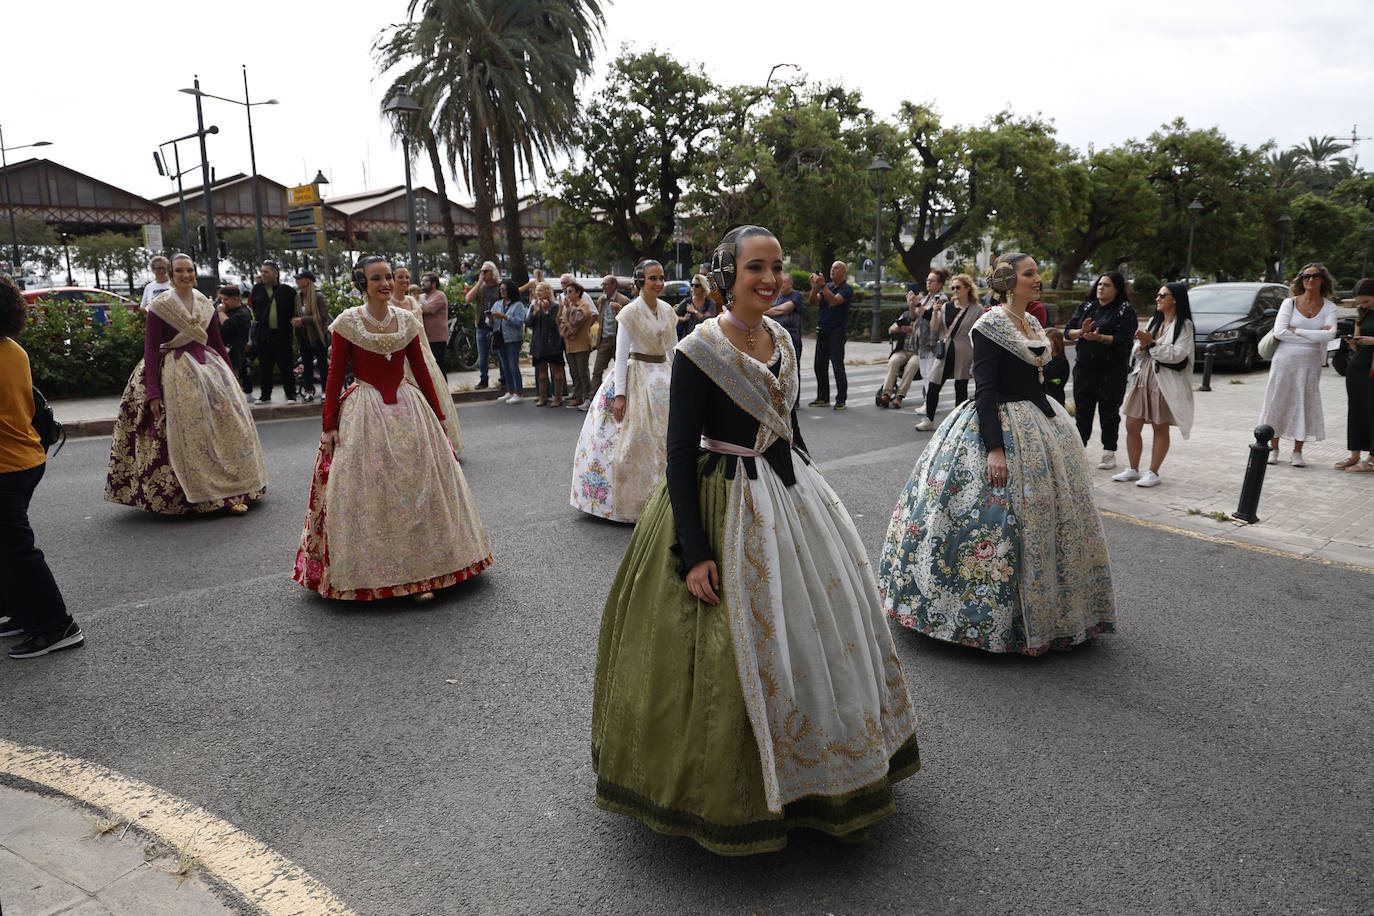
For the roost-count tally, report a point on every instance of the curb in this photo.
(104, 426)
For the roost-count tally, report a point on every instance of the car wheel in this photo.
(1246, 362)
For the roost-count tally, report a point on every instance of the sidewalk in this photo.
(53, 860)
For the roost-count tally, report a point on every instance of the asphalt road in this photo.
(1212, 755)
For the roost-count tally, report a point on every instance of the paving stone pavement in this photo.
(53, 862)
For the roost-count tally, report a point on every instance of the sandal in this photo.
(896, 402)
(1362, 467)
(1342, 465)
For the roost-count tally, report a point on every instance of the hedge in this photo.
(71, 357)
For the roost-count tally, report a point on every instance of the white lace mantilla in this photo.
(353, 327)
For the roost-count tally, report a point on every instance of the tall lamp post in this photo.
(1283, 241)
(15, 267)
(67, 253)
(324, 249)
(211, 245)
(162, 169)
(403, 108)
(1193, 209)
(878, 167)
(1364, 265)
(252, 152)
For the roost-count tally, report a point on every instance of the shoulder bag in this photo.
(46, 424)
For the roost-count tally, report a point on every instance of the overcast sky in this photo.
(100, 79)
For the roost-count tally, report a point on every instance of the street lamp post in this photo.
(404, 109)
(67, 253)
(211, 246)
(176, 176)
(16, 268)
(324, 248)
(252, 151)
(878, 167)
(1364, 265)
(1193, 209)
(1284, 220)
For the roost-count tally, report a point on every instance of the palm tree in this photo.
(1320, 149)
(497, 82)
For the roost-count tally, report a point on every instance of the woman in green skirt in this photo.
(746, 680)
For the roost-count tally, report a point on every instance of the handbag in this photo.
(940, 349)
(1340, 360)
(46, 424)
(1267, 345)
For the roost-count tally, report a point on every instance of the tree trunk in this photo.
(445, 211)
(510, 194)
(482, 196)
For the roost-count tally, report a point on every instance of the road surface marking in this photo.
(271, 883)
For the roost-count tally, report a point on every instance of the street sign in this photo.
(305, 241)
(301, 195)
(152, 236)
(309, 218)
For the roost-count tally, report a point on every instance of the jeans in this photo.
(483, 353)
(28, 591)
(830, 352)
(1100, 390)
(509, 355)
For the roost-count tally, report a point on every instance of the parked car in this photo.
(1230, 318)
(99, 300)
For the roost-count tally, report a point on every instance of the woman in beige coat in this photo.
(1159, 390)
(575, 324)
(957, 363)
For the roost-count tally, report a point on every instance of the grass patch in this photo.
(1237, 381)
(105, 824)
(1216, 516)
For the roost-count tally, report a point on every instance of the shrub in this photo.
(1146, 284)
(72, 357)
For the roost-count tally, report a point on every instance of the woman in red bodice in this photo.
(390, 512)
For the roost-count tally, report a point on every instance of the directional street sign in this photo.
(301, 195)
(309, 218)
(303, 241)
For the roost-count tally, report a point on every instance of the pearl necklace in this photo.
(373, 322)
(749, 339)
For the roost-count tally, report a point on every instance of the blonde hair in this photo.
(967, 281)
(707, 286)
(543, 286)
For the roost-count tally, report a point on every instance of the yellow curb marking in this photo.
(1218, 539)
(273, 884)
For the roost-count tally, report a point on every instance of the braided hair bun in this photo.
(1002, 277)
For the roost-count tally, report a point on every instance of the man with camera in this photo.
(831, 301)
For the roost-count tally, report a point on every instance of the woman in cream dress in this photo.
(620, 455)
(184, 442)
(1293, 399)
(403, 300)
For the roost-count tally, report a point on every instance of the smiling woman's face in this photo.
(758, 272)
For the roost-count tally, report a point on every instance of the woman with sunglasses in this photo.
(508, 317)
(957, 362)
(1160, 388)
(1293, 398)
(696, 308)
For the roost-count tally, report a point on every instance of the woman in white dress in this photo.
(1160, 388)
(403, 300)
(1293, 398)
(621, 453)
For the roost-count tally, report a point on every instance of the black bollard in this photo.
(1207, 359)
(1254, 475)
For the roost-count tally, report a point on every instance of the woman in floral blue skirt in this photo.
(996, 543)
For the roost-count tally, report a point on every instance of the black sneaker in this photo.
(819, 403)
(265, 399)
(839, 405)
(9, 628)
(46, 643)
(479, 386)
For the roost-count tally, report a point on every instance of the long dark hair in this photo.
(1118, 281)
(511, 290)
(1183, 311)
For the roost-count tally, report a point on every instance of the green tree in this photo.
(643, 141)
(497, 82)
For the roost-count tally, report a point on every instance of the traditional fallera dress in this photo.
(204, 455)
(451, 429)
(784, 705)
(617, 465)
(1017, 568)
(390, 512)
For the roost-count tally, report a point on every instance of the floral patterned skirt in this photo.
(617, 465)
(140, 473)
(672, 743)
(1021, 568)
(390, 512)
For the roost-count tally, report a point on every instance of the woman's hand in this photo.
(155, 405)
(1145, 337)
(703, 580)
(1087, 329)
(329, 439)
(997, 467)
(618, 408)
(495, 314)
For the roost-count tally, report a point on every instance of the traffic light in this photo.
(200, 238)
(223, 250)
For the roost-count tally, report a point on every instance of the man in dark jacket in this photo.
(274, 305)
(234, 323)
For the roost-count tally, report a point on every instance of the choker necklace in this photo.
(749, 332)
(373, 322)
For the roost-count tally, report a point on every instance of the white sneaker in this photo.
(926, 425)
(1150, 479)
(1274, 456)
(515, 399)
(1128, 474)
(1297, 461)
(1108, 461)
(504, 398)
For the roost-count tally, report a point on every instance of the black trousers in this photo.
(437, 347)
(1099, 390)
(830, 353)
(933, 395)
(274, 349)
(314, 360)
(28, 591)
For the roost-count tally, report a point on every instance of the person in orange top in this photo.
(31, 604)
